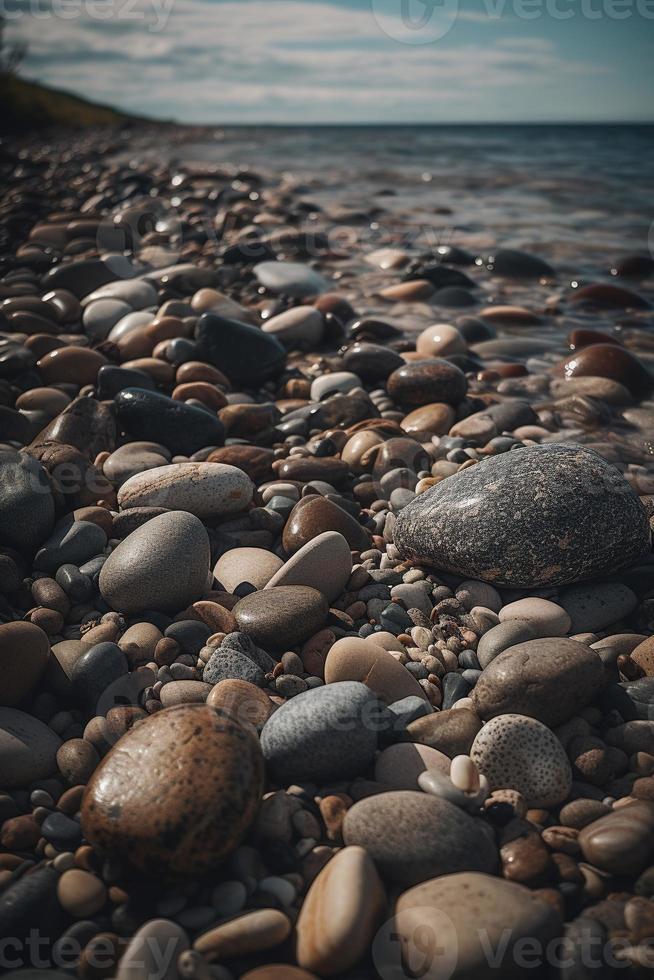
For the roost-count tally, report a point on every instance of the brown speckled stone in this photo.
(280, 617)
(177, 792)
(607, 360)
(313, 515)
(544, 515)
(423, 382)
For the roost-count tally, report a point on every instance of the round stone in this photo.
(440, 340)
(594, 606)
(252, 565)
(163, 565)
(622, 842)
(325, 733)
(244, 353)
(355, 659)
(413, 836)
(545, 618)
(323, 563)
(551, 515)
(436, 418)
(340, 913)
(291, 278)
(458, 919)
(24, 652)
(81, 893)
(516, 752)
(246, 702)
(314, 515)
(281, 617)
(205, 773)
(550, 679)
(613, 362)
(28, 749)
(431, 380)
(203, 489)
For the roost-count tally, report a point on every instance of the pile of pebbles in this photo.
(323, 629)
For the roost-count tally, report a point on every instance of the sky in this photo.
(350, 61)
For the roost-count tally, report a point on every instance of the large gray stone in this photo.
(163, 565)
(415, 836)
(326, 733)
(543, 515)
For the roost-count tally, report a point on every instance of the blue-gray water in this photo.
(574, 194)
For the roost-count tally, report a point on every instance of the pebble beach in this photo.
(326, 573)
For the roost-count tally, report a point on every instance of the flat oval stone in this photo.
(593, 607)
(305, 469)
(355, 659)
(246, 702)
(324, 563)
(440, 340)
(413, 836)
(300, 328)
(325, 733)
(340, 913)
(451, 732)
(291, 278)
(28, 749)
(256, 566)
(153, 417)
(436, 417)
(513, 263)
(27, 508)
(622, 842)
(203, 489)
(245, 934)
(24, 653)
(463, 917)
(161, 565)
(205, 773)
(314, 515)
(515, 752)
(606, 296)
(550, 679)
(253, 460)
(371, 362)
(543, 515)
(546, 618)
(431, 380)
(610, 361)
(78, 365)
(246, 354)
(281, 617)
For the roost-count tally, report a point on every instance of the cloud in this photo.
(279, 60)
